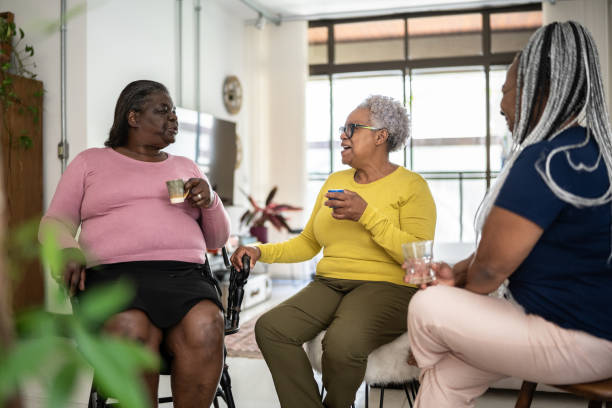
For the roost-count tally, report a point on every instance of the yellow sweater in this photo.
(400, 209)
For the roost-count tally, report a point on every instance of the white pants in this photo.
(464, 342)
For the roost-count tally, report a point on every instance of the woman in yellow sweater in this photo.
(358, 294)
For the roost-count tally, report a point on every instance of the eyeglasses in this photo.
(350, 128)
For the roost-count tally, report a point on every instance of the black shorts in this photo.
(164, 290)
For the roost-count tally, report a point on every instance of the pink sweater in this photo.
(124, 212)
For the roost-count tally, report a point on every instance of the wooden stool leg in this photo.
(525, 395)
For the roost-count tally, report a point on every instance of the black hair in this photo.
(132, 98)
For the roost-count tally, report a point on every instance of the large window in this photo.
(448, 69)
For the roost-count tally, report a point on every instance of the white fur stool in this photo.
(386, 365)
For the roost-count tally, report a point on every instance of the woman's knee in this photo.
(266, 325)
(428, 305)
(202, 328)
(134, 325)
(344, 348)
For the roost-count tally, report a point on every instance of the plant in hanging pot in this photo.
(257, 217)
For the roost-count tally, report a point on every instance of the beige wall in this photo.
(278, 70)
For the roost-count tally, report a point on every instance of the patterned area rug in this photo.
(243, 344)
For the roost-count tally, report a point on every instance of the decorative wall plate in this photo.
(232, 94)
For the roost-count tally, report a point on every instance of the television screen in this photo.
(213, 148)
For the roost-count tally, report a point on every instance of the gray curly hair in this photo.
(386, 112)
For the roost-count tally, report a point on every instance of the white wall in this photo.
(126, 41)
(596, 16)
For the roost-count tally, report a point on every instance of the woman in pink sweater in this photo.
(129, 229)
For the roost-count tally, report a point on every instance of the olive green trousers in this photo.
(359, 316)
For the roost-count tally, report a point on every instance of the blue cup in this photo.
(335, 191)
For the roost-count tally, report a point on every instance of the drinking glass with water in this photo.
(418, 256)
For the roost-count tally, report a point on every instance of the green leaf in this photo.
(116, 375)
(25, 142)
(98, 304)
(26, 359)
(61, 386)
(36, 323)
(21, 33)
(50, 253)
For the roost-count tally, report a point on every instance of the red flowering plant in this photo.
(273, 212)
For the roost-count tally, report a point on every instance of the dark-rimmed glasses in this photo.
(349, 129)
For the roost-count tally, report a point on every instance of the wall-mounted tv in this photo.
(213, 148)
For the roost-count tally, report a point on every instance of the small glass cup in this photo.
(418, 257)
(176, 191)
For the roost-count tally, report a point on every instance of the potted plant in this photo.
(16, 60)
(257, 217)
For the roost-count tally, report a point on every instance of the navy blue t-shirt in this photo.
(566, 278)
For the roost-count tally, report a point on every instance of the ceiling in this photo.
(292, 10)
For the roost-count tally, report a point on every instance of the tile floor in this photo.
(253, 386)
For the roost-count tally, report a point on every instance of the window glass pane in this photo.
(449, 119)
(381, 40)
(501, 139)
(317, 125)
(510, 31)
(397, 157)
(317, 45)
(445, 36)
(350, 91)
(446, 197)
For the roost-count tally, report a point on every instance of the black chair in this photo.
(237, 280)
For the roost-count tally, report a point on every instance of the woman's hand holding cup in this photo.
(200, 194)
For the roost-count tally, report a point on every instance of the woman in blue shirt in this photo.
(546, 227)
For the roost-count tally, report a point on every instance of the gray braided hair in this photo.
(559, 67)
(386, 112)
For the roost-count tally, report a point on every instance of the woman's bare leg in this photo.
(134, 324)
(197, 346)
